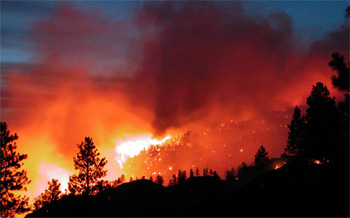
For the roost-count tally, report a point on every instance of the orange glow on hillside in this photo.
(131, 145)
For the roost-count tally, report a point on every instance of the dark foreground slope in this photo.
(293, 190)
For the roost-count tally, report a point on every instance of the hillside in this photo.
(292, 190)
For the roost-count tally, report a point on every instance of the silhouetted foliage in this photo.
(341, 79)
(347, 12)
(159, 180)
(191, 173)
(173, 181)
(52, 193)
(102, 185)
(90, 168)
(181, 176)
(261, 158)
(322, 129)
(296, 134)
(122, 178)
(197, 172)
(317, 193)
(216, 175)
(230, 175)
(206, 172)
(242, 169)
(343, 108)
(12, 177)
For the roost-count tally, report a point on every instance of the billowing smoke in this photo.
(200, 59)
(174, 65)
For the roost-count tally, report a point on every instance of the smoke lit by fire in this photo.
(228, 77)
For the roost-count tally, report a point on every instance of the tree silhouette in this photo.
(197, 172)
(191, 173)
(296, 134)
(242, 169)
(159, 180)
(173, 181)
(102, 185)
(12, 177)
(182, 176)
(122, 178)
(322, 129)
(216, 175)
(230, 175)
(347, 12)
(90, 168)
(261, 157)
(52, 193)
(341, 79)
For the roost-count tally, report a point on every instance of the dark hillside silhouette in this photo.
(292, 190)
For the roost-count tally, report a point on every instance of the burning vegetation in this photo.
(192, 110)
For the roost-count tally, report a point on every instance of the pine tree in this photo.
(52, 193)
(242, 170)
(90, 168)
(159, 180)
(182, 176)
(296, 134)
(230, 175)
(191, 173)
(197, 172)
(122, 178)
(322, 124)
(261, 157)
(341, 79)
(173, 181)
(12, 177)
(102, 185)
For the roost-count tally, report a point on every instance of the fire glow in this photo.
(66, 95)
(132, 145)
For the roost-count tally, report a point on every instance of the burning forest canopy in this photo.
(229, 77)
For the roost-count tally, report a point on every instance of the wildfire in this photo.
(50, 171)
(132, 145)
(317, 162)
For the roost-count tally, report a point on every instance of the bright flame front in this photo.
(132, 145)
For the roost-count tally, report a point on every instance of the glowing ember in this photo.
(277, 167)
(133, 145)
(317, 162)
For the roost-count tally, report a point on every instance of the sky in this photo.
(311, 19)
(121, 72)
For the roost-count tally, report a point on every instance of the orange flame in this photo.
(132, 145)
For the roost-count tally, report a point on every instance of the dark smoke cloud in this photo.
(181, 62)
(200, 57)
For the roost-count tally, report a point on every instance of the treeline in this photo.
(320, 135)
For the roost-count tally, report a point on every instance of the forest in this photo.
(310, 178)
